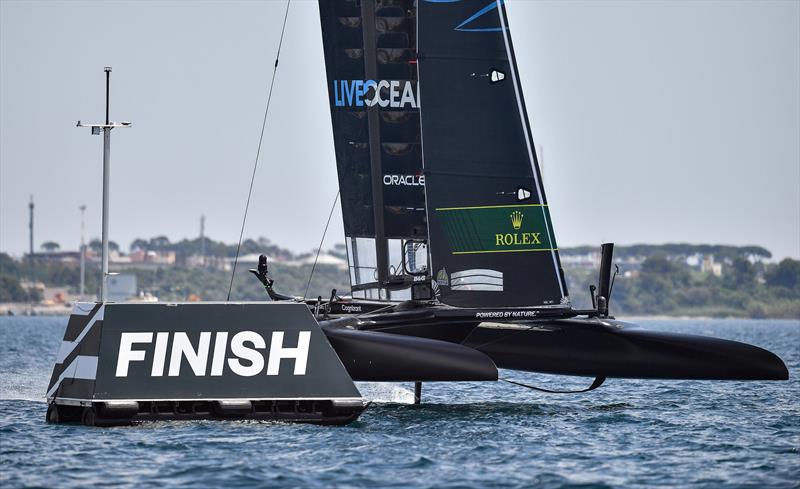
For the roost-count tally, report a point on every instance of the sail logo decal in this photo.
(246, 360)
(404, 180)
(516, 219)
(397, 94)
(470, 24)
(497, 76)
(442, 279)
(497, 229)
(509, 239)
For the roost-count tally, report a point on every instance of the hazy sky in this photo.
(660, 121)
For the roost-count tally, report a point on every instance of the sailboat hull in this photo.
(599, 347)
(384, 357)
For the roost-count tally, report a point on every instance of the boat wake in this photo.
(385, 393)
(23, 386)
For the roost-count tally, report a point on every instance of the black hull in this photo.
(383, 357)
(611, 349)
(586, 346)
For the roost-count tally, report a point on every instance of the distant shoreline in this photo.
(25, 309)
(683, 317)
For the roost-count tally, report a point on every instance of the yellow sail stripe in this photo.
(489, 207)
(501, 251)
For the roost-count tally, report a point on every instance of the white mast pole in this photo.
(106, 128)
(106, 172)
(83, 253)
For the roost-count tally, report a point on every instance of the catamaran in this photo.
(452, 256)
(448, 229)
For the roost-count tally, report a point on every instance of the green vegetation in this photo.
(176, 284)
(720, 252)
(664, 287)
(50, 246)
(657, 282)
(189, 247)
(11, 290)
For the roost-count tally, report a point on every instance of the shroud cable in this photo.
(258, 152)
(314, 266)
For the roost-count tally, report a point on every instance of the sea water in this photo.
(628, 433)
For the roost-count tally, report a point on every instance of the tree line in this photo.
(663, 284)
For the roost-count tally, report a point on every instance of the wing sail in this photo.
(370, 59)
(491, 237)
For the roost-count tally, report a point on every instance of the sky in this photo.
(657, 121)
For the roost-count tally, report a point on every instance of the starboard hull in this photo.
(595, 347)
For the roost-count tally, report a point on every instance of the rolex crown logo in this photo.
(516, 219)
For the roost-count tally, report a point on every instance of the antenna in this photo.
(106, 130)
(30, 230)
(82, 289)
(202, 239)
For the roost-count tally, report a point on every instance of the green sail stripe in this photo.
(495, 229)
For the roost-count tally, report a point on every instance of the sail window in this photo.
(416, 257)
(363, 260)
(395, 256)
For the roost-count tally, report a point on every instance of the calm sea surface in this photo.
(626, 434)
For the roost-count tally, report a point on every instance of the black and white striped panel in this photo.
(75, 368)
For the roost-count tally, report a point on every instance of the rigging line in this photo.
(613, 279)
(311, 275)
(258, 151)
(598, 381)
(376, 311)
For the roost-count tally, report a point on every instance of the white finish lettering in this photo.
(160, 354)
(182, 347)
(246, 359)
(220, 347)
(277, 352)
(127, 354)
(242, 352)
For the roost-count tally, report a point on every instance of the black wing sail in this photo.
(370, 60)
(491, 238)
